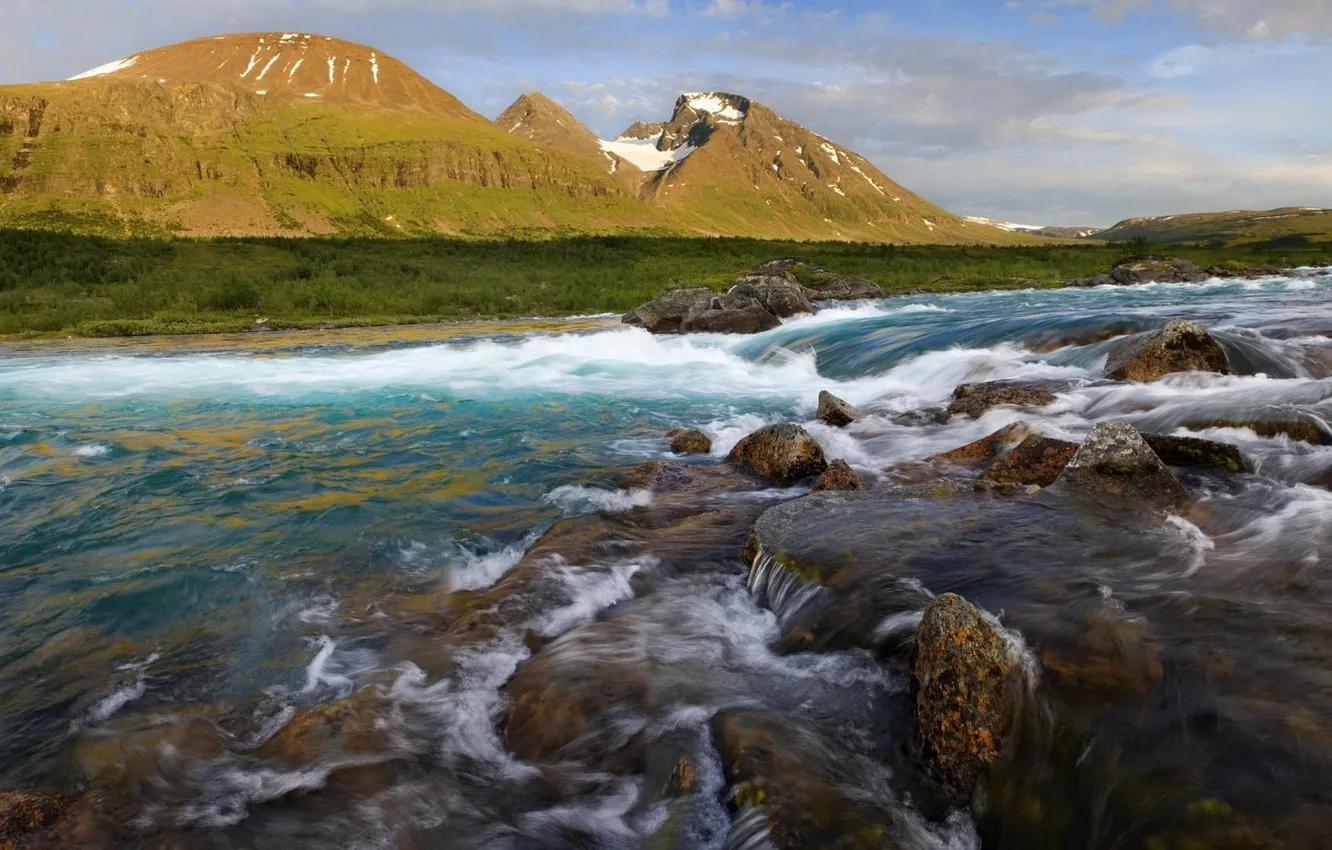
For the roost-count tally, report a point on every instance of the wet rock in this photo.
(845, 289)
(974, 399)
(785, 454)
(1178, 347)
(988, 448)
(682, 781)
(779, 295)
(839, 476)
(836, 412)
(1302, 430)
(1036, 460)
(666, 313)
(24, 813)
(921, 418)
(1114, 460)
(729, 314)
(1109, 654)
(1195, 452)
(689, 442)
(261, 326)
(963, 681)
(354, 726)
(1154, 268)
(1088, 282)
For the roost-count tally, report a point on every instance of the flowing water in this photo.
(294, 592)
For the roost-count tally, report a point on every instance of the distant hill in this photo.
(726, 165)
(1288, 225)
(1051, 231)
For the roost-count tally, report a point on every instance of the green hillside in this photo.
(1286, 226)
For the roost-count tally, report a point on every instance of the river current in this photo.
(259, 591)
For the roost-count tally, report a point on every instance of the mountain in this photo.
(286, 134)
(1051, 231)
(1287, 225)
(546, 124)
(726, 165)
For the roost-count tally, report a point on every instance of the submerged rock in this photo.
(836, 412)
(729, 314)
(1036, 460)
(1115, 461)
(963, 679)
(1178, 347)
(974, 399)
(666, 313)
(1302, 430)
(23, 813)
(839, 476)
(1195, 452)
(779, 295)
(689, 442)
(784, 454)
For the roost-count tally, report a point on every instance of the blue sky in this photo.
(1039, 111)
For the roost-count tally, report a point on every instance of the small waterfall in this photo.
(749, 831)
(776, 587)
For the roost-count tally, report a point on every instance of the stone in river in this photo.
(1115, 461)
(1178, 347)
(974, 399)
(839, 476)
(836, 412)
(1196, 452)
(785, 454)
(1036, 460)
(689, 442)
(665, 314)
(988, 448)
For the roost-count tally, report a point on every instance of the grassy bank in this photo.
(52, 283)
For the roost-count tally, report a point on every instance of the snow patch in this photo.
(294, 68)
(254, 60)
(374, 67)
(262, 91)
(837, 189)
(290, 36)
(713, 105)
(108, 68)
(831, 151)
(332, 64)
(266, 67)
(313, 94)
(868, 179)
(644, 154)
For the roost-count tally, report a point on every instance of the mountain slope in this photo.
(280, 133)
(546, 124)
(1290, 225)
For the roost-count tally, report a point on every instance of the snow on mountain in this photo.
(644, 154)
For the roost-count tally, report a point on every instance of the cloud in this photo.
(746, 8)
(1253, 20)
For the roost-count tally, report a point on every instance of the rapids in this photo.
(296, 593)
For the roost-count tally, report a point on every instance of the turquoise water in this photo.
(212, 528)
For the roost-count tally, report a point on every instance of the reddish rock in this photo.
(784, 454)
(974, 399)
(1178, 347)
(1036, 461)
(839, 476)
(988, 448)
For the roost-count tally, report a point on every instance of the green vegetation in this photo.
(58, 283)
(1289, 227)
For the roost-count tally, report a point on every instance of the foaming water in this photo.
(204, 550)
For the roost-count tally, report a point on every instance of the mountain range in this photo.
(296, 134)
(1284, 226)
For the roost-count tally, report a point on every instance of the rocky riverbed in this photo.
(1003, 570)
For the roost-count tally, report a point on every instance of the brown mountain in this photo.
(546, 124)
(727, 165)
(283, 133)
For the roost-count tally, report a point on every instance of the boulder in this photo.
(689, 442)
(845, 289)
(921, 418)
(1294, 429)
(729, 314)
(962, 679)
(1036, 461)
(787, 267)
(988, 448)
(839, 476)
(784, 454)
(666, 313)
(836, 412)
(1195, 452)
(1115, 461)
(1154, 268)
(780, 296)
(23, 813)
(1178, 347)
(974, 399)
(261, 326)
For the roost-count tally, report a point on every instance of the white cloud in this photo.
(1255, 20)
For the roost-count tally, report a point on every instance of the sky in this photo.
(1068, 112)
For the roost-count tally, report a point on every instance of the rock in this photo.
(353, 726)
(1154, 268)
(988, 448)
(846, 289)
(1036, 460)
(962, 679)
(1178, 347)
(839, 476)
(1295, 429)
(836, 412)
(787, 267)
(666, 313)
(780, 296)
(784, 454)
(921, 418)
(974, 399)
(1116, 461)
(23, 813)
(689, 442)
(1087, 282)
(729, 314)
(1195, 452)
(261, 326)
